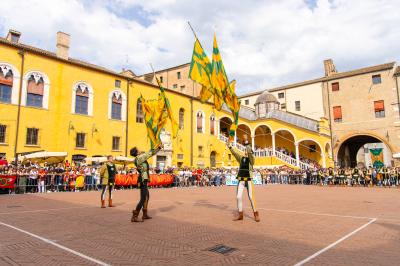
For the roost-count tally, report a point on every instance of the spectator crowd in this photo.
(35, 178)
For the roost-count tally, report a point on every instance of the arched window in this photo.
(9, 83)
(181, 118)
(139, 112)
(212, 125)
(6, 84)
(35, 91)
(82, 99)
(200, 122)
(116, 106)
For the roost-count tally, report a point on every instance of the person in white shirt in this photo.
(33, 174)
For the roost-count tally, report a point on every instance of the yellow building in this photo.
(51, 102)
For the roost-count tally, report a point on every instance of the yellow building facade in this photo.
(66, 105)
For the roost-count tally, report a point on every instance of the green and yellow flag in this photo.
(377, 157)
(233, 104)
(225, 89)
(219, 80)
(156, 114)
(168, 109)
(214, 81)
(200, 72)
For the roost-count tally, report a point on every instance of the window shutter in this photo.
(379, 106)
(337, 112)
(82, 92)
(335, 86)
(199, 122)
(7, 80)
(35, 88)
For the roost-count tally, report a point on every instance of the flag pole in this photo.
(154, 73)
(194, 33)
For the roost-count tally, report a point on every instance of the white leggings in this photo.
(250, 192)
(104, 189)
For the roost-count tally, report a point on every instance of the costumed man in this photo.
(342, 176)
(244, 178)
(107, 175)
(144, 177)
(356, 176)
(331, 176)
(364, 175)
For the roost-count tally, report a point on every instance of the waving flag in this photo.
(219, 80)
(233, 104)
(156, 115)
(214, 81)
(224, 88)
(168, 109)
(200, 72)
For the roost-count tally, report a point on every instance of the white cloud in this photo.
(263, 43)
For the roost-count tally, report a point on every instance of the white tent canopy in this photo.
(44, 157)
(123, 159)
(117, 159)
(95, 159)
(396, 155)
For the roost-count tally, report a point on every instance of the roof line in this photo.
(52, 55)
(339, 75)
(166, 69)
(85, 64)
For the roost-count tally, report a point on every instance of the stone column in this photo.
(323, 160)
(297, 155)
(273, 143)
(252, 142)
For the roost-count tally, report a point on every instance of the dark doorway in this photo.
(347, 154)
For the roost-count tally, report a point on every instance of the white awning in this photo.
(44, 157)
(123, 159)
(396, 155)
(95, 159)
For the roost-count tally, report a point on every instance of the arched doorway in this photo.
(213, 159)
(224, 125)
(363, 150)
(241, 131)
(310, 152)
(262, 137)
(285, 142)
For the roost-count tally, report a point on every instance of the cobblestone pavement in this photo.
(296, 222)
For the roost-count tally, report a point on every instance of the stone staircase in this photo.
(269, 152)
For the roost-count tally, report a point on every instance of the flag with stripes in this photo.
(157, 112)
(200, 72)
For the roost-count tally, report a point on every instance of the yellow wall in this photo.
(58, 125)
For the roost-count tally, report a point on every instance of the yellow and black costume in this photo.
(107, 175)
(144, 177)
(244, 178)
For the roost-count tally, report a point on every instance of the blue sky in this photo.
(263, 43)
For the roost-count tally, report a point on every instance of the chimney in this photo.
(330, 68)
(62, 45)
(13, 36)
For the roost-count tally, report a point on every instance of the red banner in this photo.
(155, 180)
(7, 181)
